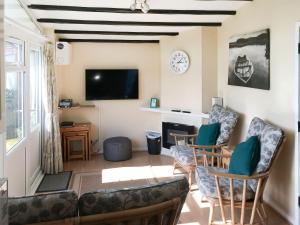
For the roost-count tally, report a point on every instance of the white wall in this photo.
(276, 105)
(113, 117)
(194, 89)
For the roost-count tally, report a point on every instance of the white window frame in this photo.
(12, 67)
(40, 51)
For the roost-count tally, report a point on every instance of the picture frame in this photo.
(249, 60)
(154, 103)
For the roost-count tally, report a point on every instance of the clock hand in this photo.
(180, 61)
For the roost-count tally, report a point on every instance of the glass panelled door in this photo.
(15, 89)
(33, 147)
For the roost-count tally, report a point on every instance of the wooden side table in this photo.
(76, 141)
(226, 150)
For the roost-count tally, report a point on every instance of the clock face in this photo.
(179, 62)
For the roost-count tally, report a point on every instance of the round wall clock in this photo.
(179, 62)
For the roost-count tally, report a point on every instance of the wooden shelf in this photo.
(168, 111)
(77, 106)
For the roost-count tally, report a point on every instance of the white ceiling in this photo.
(225, 5)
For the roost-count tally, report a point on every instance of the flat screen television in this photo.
(111, 84)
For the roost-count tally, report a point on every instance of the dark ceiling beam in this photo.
(128, 23)
(116, 33)
(123, 10)
(108, 41)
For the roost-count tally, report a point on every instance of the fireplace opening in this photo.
(168, 128)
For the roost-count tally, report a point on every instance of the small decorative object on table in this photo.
(3, 202)
(217, 101)
(154, 103)
(65, 103)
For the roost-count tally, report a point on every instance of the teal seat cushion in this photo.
(245, 157)
(208, 134)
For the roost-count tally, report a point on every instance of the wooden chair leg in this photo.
(263, 210)
(232, 202)
(220, 200)
(174, 167)
(190, 179)
(262, 220)
(264, 213)
(242, 219)
(256, 199)
(211, 213)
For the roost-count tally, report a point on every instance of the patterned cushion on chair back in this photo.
(42, 208)
(270, 139)
(227, 118)
(104, 201)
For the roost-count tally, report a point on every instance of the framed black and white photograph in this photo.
(249, 60)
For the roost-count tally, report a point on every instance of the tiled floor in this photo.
(142, 169)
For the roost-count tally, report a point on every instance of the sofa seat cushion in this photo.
(207, 185)
(42, 208)
(183, 154)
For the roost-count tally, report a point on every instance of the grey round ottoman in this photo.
(117, 149)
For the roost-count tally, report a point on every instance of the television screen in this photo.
(111, 84)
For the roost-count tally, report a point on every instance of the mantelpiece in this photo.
(168, 111)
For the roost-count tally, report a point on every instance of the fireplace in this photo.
(168, 128)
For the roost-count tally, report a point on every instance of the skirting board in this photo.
(36, 182)
(274, 206)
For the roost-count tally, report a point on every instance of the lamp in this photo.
(141, 4)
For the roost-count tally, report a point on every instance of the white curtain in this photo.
(52, 162)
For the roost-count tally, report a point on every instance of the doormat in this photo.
(56, 182)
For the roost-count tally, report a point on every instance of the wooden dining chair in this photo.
(222, 189)
(182, 152)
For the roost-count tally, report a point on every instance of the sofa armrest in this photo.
(43, 207)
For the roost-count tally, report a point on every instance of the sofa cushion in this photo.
(183, 154)
(208, 134)
(270, 139)
(104, 201)
(42, 207)
(227, 118)
(245, 157)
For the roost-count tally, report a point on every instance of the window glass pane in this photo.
(14, 108)
(35, 73)
(14, 52)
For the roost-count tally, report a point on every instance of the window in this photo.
(14, 52)
(14, 108)
(35, 80)
(14, 92)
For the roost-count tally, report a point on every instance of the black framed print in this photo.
(249, 60)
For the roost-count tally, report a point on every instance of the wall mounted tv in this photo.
(111, 84)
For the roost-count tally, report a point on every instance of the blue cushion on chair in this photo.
(208, 134)
(245, 157)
